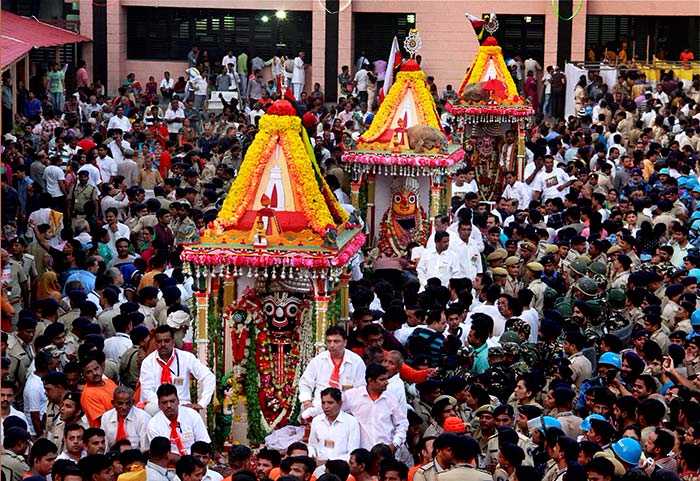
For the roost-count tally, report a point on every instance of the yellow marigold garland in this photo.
(338, 213)
(306, 188)
(425, 106)
(486, 51)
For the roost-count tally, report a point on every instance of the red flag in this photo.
(476, 22)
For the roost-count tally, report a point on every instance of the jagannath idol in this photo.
(405, 221)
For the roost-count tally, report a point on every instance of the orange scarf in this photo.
(335, 374)
(175, 437)
(165, 374)
(121, 429)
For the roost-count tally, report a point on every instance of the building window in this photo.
(521, 35)
(645, 36)
(170, 33)
(374, 33)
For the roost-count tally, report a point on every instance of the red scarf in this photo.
(335, 374)
(175, 437)
(165, 374)
(121, 429)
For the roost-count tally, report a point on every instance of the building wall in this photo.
(449, 43)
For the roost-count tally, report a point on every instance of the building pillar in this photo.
(578, 32)
(318, 42)
(345, 38)
(551, 27)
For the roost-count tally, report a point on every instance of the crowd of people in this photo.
(551, 334)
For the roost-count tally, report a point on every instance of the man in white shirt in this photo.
(467, 252)
(167, 84)
(381, 419)
(120, 342)
(119, 121)
(335, 367)
(73, 445)
(172, 366)
(94, 178)
(125, 421)
(106, 164)
(392, 362)
(441, 263)
(174, 116)
(334, 434)
(202, 451)
(551, 182)
(298, 76)
(516, 190)
(119, 147)
(229, 58)
(35, 399)
(182, 425)
(55, 179)
(361, 79)
(159, 460)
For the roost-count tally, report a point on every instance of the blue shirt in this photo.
(481, 359)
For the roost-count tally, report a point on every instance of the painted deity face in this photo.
(282, 311)
(404, 203)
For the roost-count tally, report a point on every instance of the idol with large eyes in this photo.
(282, 312)
(404, 203)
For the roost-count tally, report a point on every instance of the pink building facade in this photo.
(449, 44)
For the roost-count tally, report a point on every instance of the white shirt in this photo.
(334, 440)
(227, 60)
(468, 257)
(174, 127)
(184, 366)
(116, 345)
(397, 388)
(109, 201)
(381, 421)
(499, 322)
(519, 192)
(119, 123)
(361, 78)
(191, 428)
(532, 317)
(159, 473)
(108, 168)
(547, 183)
(121, 232)
(136, 426)
(317, 375)
(465, 188)
(444, 266)
(93, 174)
(35, 399)
(52, 175)
(212, 475)
(298, 73)
(403, 333)
(117, 153)
(167, 83)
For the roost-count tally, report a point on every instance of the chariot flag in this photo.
(392, 64)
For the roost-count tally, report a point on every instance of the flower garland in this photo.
(414, 160)
(339, 214)
(485, 53)
(393, 242)
(425, 106)
(240, 194)
(500, 113)
(217, 256)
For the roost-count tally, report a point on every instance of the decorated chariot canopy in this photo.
(487, 93)
(280, 219)
(406, 137)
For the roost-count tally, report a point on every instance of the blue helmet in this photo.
(695, 318)
(628, 450)
(611, 359)
(695, 215)
(694, 272)
(586, 423)
(546, 422)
